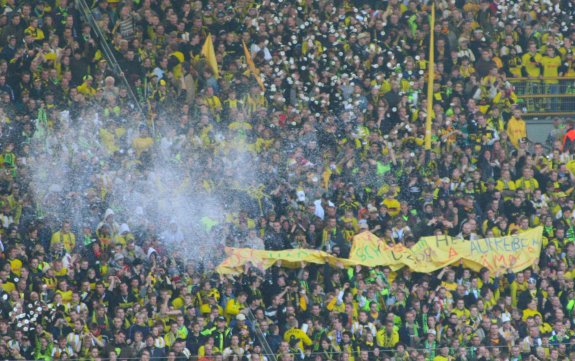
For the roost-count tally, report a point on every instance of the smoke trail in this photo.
(195, 182)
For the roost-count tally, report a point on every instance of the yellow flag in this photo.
(255, 71)
(210, 54)
(430, 79)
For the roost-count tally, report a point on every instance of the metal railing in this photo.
(546, 96)
(260, 336)
(86, 12)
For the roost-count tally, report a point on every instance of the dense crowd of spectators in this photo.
(330, 146)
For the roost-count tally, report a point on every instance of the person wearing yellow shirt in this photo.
(333, 304)
(232, 105)
(506, 185)
(58, 270)
(388, 336)
(110, 137)
(530, 62)
(14, 261)
(49, 279)
(531, 69)
(172, 335)
(551, 65)
(7, 285)
(86, 87)
(211, 304)
(64, 292)
(460, 310)
(213, 102)
(236, 305)
(160, 95)
(449, 282)
(527, 182)
(443, 355)
(124, 236)
(296, 333)
(516, 128)
(143, 142)
(466, 69)
(531, 310)
(255, 100)
(240, 126)
(177, 58)
(518, 285)
(34, 31)
(264, 142)
(63, 239)
(489, 297)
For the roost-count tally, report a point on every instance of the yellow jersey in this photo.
(551, 68)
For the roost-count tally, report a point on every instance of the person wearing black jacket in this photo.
(410, 333)
(530, 294)
(517, 207)
(79, 66)
(332, 237)
(14, 30)
(493, 338)
(195, 338)
(156, 353)
(276, 239)
(119, 344)
(220, 332)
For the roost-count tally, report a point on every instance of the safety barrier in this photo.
(546, 97)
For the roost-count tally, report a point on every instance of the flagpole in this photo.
(430, 80)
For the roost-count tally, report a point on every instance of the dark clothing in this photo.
(156, 354)
(276, 241)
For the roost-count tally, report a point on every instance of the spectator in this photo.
(320, 140)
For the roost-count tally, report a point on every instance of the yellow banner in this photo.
(430, 80)
(515, 252)
(239, 257)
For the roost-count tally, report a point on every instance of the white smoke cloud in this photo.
(180, 182)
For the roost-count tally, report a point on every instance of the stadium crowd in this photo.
(330, 144)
